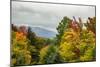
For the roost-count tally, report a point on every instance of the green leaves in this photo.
(63, 25)
(78, 45)
(68, 46)
(20, 53)
(48, 54)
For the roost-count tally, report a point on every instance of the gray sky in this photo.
(47, 15)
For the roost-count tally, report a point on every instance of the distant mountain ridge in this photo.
(39, 31)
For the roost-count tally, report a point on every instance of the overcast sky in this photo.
(47, 15)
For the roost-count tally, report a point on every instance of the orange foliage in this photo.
(20, 36)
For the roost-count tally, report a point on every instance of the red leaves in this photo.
(23, 29)
(74, 25)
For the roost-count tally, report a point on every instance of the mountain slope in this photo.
(43, 32)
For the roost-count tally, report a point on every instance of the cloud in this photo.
(47, 15)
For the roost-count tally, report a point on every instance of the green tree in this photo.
(48, 54)
(31, 36)
(34, 54)
(20, 53)
(63, 25)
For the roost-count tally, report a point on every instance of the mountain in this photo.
(43, 32)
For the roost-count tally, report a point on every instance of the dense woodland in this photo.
(75, 42)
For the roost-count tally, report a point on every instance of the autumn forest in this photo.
(74, 42)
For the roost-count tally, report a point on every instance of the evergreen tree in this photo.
(31, 36)
(63, 25)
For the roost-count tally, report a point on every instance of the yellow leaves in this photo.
(43, 53)
(86, 58)
(24, 56)
(66, 51)
(20, 49)
(13, 61)
(19, 42)
(27, 59)
(70, 36)
(15, 50)
(74, 46)
(67, 47)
